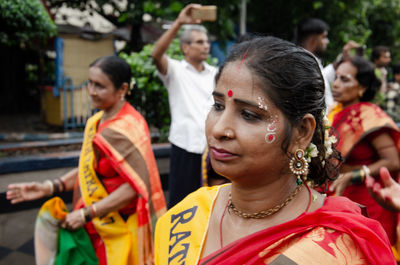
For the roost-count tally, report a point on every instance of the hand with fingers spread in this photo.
(388, 195)
(28, 191)
(341, 183)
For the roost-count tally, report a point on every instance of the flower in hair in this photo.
(329, 140)
(311, 151)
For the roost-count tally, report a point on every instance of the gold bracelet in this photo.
(362, 175)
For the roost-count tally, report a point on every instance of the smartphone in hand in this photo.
(205, 13)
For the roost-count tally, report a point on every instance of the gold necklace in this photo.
(265, 213)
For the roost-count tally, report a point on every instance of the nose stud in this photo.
(228, 135)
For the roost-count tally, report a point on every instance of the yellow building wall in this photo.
(78, 54)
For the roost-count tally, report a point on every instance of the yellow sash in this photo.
(180, 233)
(119, 237)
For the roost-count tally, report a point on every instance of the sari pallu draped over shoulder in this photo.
(125, 141)
(355, 122)
(336, 233)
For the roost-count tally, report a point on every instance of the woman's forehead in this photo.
(237, 79)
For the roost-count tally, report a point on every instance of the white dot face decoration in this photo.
(261, 104)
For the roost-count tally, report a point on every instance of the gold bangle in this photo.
(362, 175)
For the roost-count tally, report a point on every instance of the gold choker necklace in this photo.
(265, 213)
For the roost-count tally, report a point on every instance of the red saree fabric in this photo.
(340, 216)
(356, 126)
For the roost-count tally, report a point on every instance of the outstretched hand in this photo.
(185, 16)
(388, 195)
(27, 191)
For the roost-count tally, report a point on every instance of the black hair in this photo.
(366, 77)
(377, 52)
(396, 68)
(309, 27)
(292, 79)
(116, 68)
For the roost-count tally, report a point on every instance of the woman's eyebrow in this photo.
(217, 94)
(242, 101)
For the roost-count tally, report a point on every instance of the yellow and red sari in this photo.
(336, 233)
(122, 237)
(357, 125)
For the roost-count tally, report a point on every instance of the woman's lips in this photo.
(335, 94)
(221, 154)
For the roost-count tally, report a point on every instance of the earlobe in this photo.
(124, 88)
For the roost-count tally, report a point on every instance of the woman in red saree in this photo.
(266, 134)
(117, 184)
(368, 139)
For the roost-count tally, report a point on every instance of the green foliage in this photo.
(23, 22)
(149, 96)
(132, 13)
(370, 22)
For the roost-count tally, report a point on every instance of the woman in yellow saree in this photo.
(267, 134)
(117, 184)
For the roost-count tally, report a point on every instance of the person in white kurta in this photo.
(190, 83)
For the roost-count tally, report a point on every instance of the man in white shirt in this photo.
(190, 83)
(312, 35)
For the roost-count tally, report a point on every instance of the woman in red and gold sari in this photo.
(266, 134)
(368, 138)
(117, 184)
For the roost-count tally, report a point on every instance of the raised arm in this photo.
(158, 54)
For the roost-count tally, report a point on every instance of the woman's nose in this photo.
(335, 83)
(91, 89)
(223, 127)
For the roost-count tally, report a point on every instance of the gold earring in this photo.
(299, 165)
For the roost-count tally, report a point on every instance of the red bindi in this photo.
(230, 93)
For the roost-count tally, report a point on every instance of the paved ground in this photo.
(16, 229)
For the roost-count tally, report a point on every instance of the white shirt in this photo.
(326, 73)
(190, 100)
